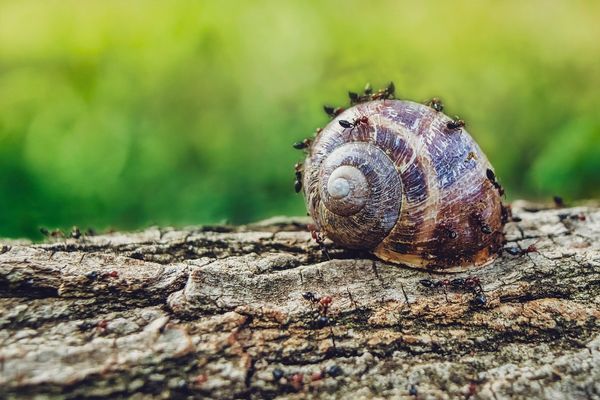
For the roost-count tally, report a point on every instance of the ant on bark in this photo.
(517, 251)
(471, 283)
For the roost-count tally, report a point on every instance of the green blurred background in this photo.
(124, 114)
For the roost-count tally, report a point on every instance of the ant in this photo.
(385, 94)
(485, 228)
(492, 178)
(298, 182)
(436, 104)
(449, 231)
(517, 251)
(472, 283)
(456, 123)
(332, 111)
(322, 302)
(471, 156)
(364, 120)
(302, 144)
(574, 217)
(55, 234)
(75, 232)
(456, 283)
(317, 237)
(558, 202)
(356, 98)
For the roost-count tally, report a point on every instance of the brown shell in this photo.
(431, 199)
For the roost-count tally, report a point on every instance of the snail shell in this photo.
(405, 186)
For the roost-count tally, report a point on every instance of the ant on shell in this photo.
(492, 178)
(302, 144)
(385, 94)
(382, 94)
(364, 120)
(333, 111)
(436, 104)
(298, 182)
(456, 123)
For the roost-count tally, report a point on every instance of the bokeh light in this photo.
(125, 114)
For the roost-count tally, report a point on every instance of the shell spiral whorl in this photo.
(405, 184)
(370, 208)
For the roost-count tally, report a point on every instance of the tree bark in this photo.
(219, 312)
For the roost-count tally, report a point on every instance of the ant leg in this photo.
(324, 250)
(321, 242)
(404, 293)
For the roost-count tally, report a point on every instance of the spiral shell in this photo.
(405, 185)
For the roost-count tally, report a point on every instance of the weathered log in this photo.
(219, 312)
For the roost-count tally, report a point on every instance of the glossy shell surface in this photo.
(404, 186)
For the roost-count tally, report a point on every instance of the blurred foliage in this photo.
(126, 114)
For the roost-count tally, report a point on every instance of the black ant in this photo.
(436, 104)
(323, 304)
(364, 120)
(356, 98)
(302, 144)
(456, 283)
(310, 296)
(456, 123)
(333, 111)
(479, 298)
(574, 217)
(75, 232)
(485, 228)
(517, 251)
(492, 178)
(385, 94)
(298, 182)
(471, 283)
(558, 202)
(449, 231)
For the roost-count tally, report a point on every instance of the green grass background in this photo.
(128, 113)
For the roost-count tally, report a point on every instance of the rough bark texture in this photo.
(218, 312)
